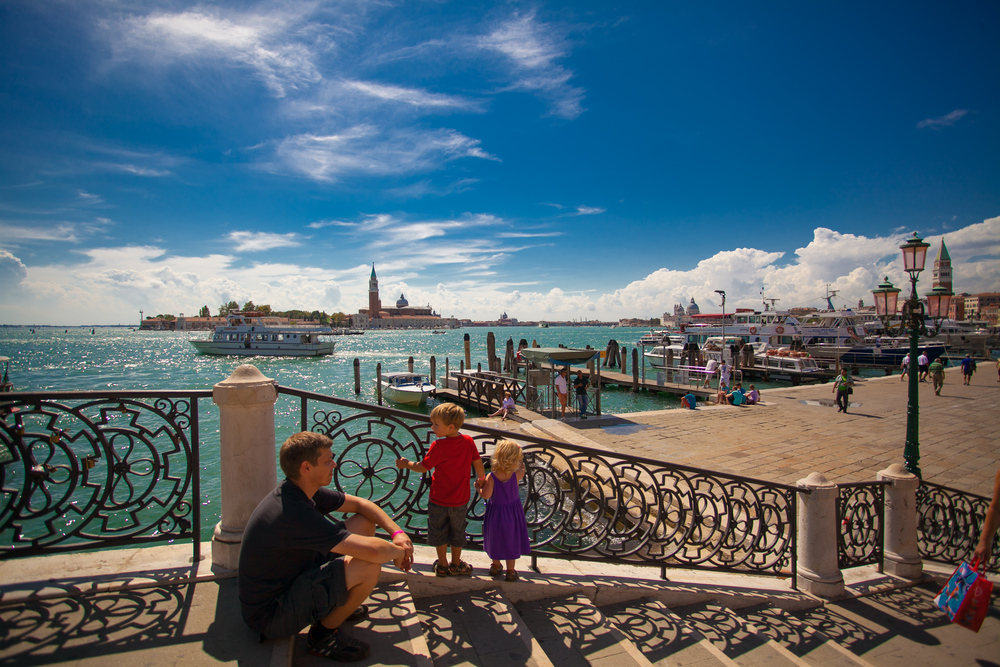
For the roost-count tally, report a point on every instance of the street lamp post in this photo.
(913, 323)
(722, 357)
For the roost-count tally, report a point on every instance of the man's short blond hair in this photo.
(450, 414)
(303, 446)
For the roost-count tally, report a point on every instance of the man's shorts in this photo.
(313, 595)
(446, 525)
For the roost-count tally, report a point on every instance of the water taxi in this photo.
(253, 333)
(406, 388)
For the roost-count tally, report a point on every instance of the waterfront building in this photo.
(402, 316)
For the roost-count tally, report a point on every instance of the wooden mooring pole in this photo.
(378, 383)
(433, 370)
(409, 364)
(357, 376)
(635, 370)
(468, 353)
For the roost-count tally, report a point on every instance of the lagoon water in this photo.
(120, 358)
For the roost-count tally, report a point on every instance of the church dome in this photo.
(402, 302)
(693, 308)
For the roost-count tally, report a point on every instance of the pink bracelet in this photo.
(396, 533)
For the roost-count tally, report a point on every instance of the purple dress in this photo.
(505, 530)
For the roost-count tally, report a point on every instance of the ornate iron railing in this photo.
(580, 503)
(949, 523)
(85, 470)
(860, 524)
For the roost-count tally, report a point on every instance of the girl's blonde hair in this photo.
(506, 457)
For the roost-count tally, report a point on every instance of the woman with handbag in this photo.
(843, 386)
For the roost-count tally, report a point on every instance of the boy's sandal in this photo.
(460, 569)
(496, 570)
(511, 576)
(441, 570)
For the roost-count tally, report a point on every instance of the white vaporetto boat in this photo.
(406, 388)
(253, 333)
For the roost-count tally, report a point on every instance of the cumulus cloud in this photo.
(12, 270)
(946, 120)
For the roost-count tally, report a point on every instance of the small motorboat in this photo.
(558, 355)
(406, 388)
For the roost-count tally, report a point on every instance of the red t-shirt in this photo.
(450, 460)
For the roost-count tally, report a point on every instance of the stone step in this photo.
(392, 629)
(661, 634)
(737, 640)
(799, 638)
(916, 632)
(477, 628)
(574, 633)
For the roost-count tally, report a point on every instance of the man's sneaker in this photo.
(339, 646)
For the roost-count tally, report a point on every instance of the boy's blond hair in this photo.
(506, 458)
(450, 414)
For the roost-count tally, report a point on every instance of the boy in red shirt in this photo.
(449, 457)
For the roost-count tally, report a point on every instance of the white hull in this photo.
(406, 396)
(264, 349)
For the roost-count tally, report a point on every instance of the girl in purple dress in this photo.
(505, 530)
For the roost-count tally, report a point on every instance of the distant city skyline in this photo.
(550, 160)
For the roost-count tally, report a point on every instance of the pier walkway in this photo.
(798, 430)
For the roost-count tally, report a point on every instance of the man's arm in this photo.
(378, 518)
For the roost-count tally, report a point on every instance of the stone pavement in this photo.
(798, 431)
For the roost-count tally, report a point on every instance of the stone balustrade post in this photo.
(818, 569)
(246, 447)
(902, 554)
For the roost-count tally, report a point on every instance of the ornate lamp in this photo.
(912, 323)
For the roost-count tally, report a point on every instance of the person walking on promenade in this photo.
(449, 457)
(923, 364)
(505, 528)
(723, 373)
(904, 367)
(984, 550)
(710, 369)
(937, 375)
(968, 368)
(580, 385)
(297, 567)
(843, 387)
(562, 389)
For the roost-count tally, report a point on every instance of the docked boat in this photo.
(888, 353)
(670, 353)
(795, 366)
(406, 388)
(253, 333)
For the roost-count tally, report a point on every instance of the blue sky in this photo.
(569, 160)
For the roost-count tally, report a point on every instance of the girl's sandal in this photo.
(460, 569)
(511, 576)
(440, 570)
(496, 570)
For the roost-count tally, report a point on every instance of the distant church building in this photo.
(403, 316)
(942, 268)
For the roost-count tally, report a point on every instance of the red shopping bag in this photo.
(966, 596)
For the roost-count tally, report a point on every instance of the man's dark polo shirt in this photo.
(287, 535)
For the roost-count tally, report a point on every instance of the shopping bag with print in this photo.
(966, 596)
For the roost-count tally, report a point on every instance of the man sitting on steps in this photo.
(297, 567)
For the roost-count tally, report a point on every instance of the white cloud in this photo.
(12, 271)
(255, 41)
(943, 121)
(366, 150)
(411, 96)
(258, 241)
(532, 49)
(588, 210)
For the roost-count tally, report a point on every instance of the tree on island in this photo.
(230, 307)
(204, 312)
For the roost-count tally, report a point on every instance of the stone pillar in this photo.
(819, 573)
(246, 434)
(902, 556)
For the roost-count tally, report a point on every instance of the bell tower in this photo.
(374, 304)
(942, 268)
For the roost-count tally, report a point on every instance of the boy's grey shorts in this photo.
(313, 595)
(446, 525)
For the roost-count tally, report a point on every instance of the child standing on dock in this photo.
(449, 457)
(505, 528)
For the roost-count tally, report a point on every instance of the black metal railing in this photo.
(861, 524)
(580, 503)
(949, 523)
(86, 470)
